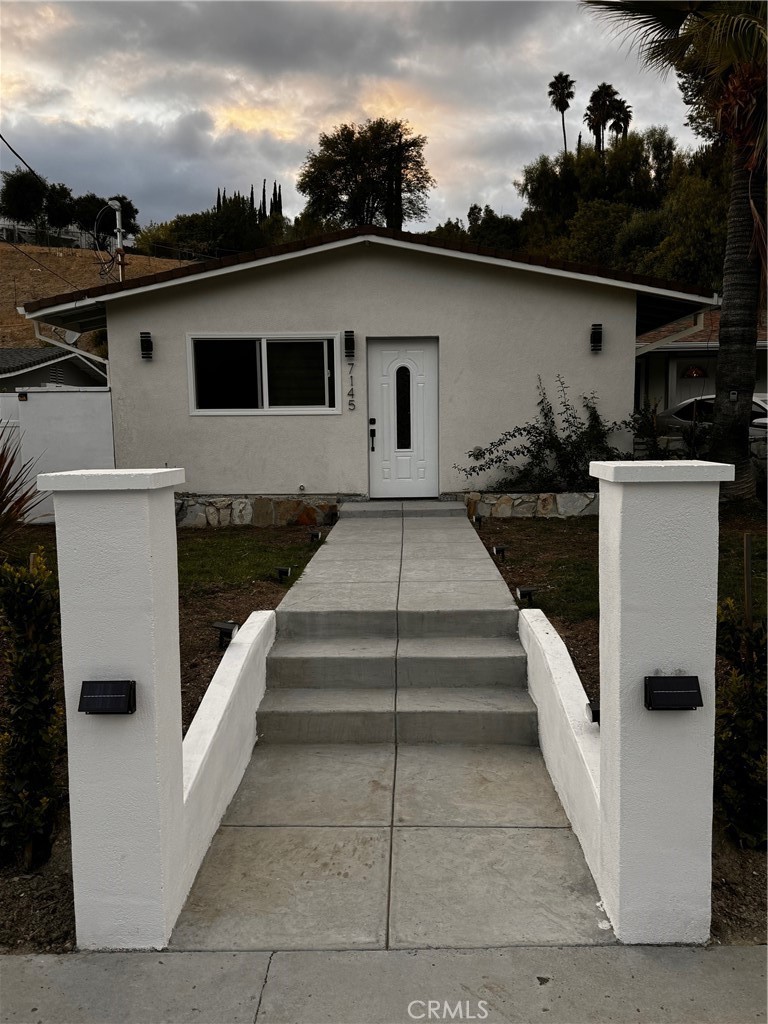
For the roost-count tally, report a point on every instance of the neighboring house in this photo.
(678, 361)
(48, 367)
(365, 362)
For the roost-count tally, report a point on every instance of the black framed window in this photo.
(263, 373)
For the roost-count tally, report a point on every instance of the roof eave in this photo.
(63, 312)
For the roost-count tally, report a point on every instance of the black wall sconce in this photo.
(596, 338)
(108, 697)
(145, 341)
(349, 344)
(673, 693)
(227, 631)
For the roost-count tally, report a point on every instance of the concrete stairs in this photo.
(400, 630)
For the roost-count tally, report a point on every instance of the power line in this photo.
(29, 257)
(20, 157)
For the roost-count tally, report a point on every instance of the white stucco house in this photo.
(365, 362)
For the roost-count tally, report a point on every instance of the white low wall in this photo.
(221, 738)
(569, 742)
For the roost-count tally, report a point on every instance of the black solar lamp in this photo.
(525, 593)
(227, 631)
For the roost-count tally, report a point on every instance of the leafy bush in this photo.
(555, 449)
(32, 726)
(646, 433)
(740, 727)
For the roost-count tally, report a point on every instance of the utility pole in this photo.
(119, 251)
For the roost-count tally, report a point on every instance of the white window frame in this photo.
(262, 383)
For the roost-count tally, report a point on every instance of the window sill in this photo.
(298, 411)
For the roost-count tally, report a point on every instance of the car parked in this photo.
(673, 421)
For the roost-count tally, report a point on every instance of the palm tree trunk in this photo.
(737, 358)
(565, 144)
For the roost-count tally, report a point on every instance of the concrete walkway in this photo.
(397, 798)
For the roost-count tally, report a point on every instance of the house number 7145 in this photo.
(351, 392)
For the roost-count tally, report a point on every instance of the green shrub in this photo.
(740, 726)
(553, 452)
(32, 717)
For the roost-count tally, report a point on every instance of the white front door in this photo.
(402, 417)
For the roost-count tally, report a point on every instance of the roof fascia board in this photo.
(607, 282)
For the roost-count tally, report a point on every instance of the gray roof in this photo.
(18, 360)
(14, 360)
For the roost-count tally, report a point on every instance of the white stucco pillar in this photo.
(658, 605)
(116, 539)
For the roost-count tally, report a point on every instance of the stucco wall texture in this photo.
(498, 328)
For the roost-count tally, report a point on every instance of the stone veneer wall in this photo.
(201, 510)
(530, 506)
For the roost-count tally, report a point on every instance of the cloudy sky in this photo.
(164, 102)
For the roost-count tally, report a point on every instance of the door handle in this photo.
(373, 440)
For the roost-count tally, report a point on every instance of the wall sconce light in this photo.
(673, 693)
(227, 631)
(596, 338)
(694, 372)
(145, 340)
(525, 594)
(500, 551)
(108, 697)
(283, 572)
(349, 345)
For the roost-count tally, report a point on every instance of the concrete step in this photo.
(456, 608)
(358, 662)
(410, 509)
(327, 716)
(424, 715)
(466, 716)
(461, 662)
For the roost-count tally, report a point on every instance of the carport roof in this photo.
(85, 309)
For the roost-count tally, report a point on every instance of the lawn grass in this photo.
(559, 558)
(232, 556)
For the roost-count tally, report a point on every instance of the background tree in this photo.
(720, 48)
(59, 207)
(93, 219)
(22, 198)
(374, 173)
(599, 113)
(560, 95)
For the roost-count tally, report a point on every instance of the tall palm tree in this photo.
(720, 47)
(621, 117)
(560, 96)
(599, 112)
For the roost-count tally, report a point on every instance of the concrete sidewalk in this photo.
(576, 985)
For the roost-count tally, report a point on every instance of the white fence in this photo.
(61, 429)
